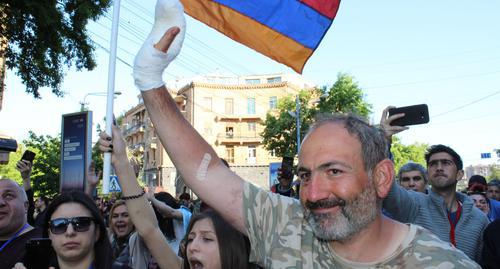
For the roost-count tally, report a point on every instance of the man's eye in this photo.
(334, 172)
(303, 176)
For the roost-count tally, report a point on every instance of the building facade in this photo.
(228, 112)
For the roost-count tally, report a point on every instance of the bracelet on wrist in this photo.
(133, 196)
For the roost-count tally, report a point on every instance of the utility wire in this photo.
(467, 104)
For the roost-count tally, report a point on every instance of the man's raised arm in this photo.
(198, 163)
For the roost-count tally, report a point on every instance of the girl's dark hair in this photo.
(234, 247)
(102, 247)
(166, 224)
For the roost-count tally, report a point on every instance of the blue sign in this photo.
(273, 173)
(485, 155)
(114, 186)
(76, 149)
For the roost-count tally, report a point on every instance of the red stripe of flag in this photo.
(327, 8)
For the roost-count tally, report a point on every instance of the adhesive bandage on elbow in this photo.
(201, 174)
(149, 62)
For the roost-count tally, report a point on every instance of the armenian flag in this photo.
(287, 31)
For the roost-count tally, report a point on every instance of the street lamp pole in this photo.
(297, 119)
(84, 102)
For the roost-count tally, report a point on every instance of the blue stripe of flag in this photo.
(291, 18)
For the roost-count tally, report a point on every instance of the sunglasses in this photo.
(80, 224)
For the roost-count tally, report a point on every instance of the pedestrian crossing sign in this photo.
(114, 186)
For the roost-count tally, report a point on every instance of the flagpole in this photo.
(111, 89)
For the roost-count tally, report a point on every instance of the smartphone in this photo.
(287, 168)
(28, 155)
(39, 253)
(416, 114)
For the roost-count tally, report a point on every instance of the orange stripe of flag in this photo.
(249, 32)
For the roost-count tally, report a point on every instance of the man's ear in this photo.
(460, 175)
(26, 206)
(383, 176)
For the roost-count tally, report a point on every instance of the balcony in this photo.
(138, 128)
(238, 118)
(230, 138)
(137, 148)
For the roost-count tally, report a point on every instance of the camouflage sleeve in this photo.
(430, 252)
(266, 215)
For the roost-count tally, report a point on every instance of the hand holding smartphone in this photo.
(28, 155)
(416, 114)
(287, 168)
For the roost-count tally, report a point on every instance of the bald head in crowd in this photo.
(13, 208)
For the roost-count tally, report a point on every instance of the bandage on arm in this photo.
(149, 62)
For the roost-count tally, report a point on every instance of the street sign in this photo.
(76, 150)
(114, 186)
(485, 155)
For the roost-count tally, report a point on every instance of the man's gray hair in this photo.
(411, 166)
(374, 147)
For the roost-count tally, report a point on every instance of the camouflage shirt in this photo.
(280, 237)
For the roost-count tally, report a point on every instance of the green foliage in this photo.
(45, 172)
(494, 172)
(9, 170)
(280, 128)
(404, 153)
(344, 96)
(43, 37)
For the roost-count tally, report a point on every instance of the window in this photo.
(207, 128)
(273, 102)
(229, 106)
(252, 155)
(229, 132)
(252, 126)
(230, 154)
(252, 81)
(207, 103)
(274, 80)
(251, 106)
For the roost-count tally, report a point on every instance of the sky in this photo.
(445, 54)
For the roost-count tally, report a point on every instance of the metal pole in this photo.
(297, 118)
(111, 89)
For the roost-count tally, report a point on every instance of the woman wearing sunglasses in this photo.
(78, 233)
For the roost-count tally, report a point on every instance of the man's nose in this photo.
(317, 189)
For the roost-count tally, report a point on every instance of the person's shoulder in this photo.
(428, 247)
(493, 227)
(494, 204)
(36, 232)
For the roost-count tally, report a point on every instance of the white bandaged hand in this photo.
(149, 62)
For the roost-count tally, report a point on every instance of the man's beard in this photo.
(355, 215)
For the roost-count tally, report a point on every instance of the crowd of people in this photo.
(352, 209)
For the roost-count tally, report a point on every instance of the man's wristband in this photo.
(133, 196)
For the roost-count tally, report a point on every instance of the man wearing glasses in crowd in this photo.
(449, 214)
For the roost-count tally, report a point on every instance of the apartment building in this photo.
(228, 112)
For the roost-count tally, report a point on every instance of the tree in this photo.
(280, 128)
(39, 38)
(45, 172)
(9, 170)
(404, 153)
(494, 172)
